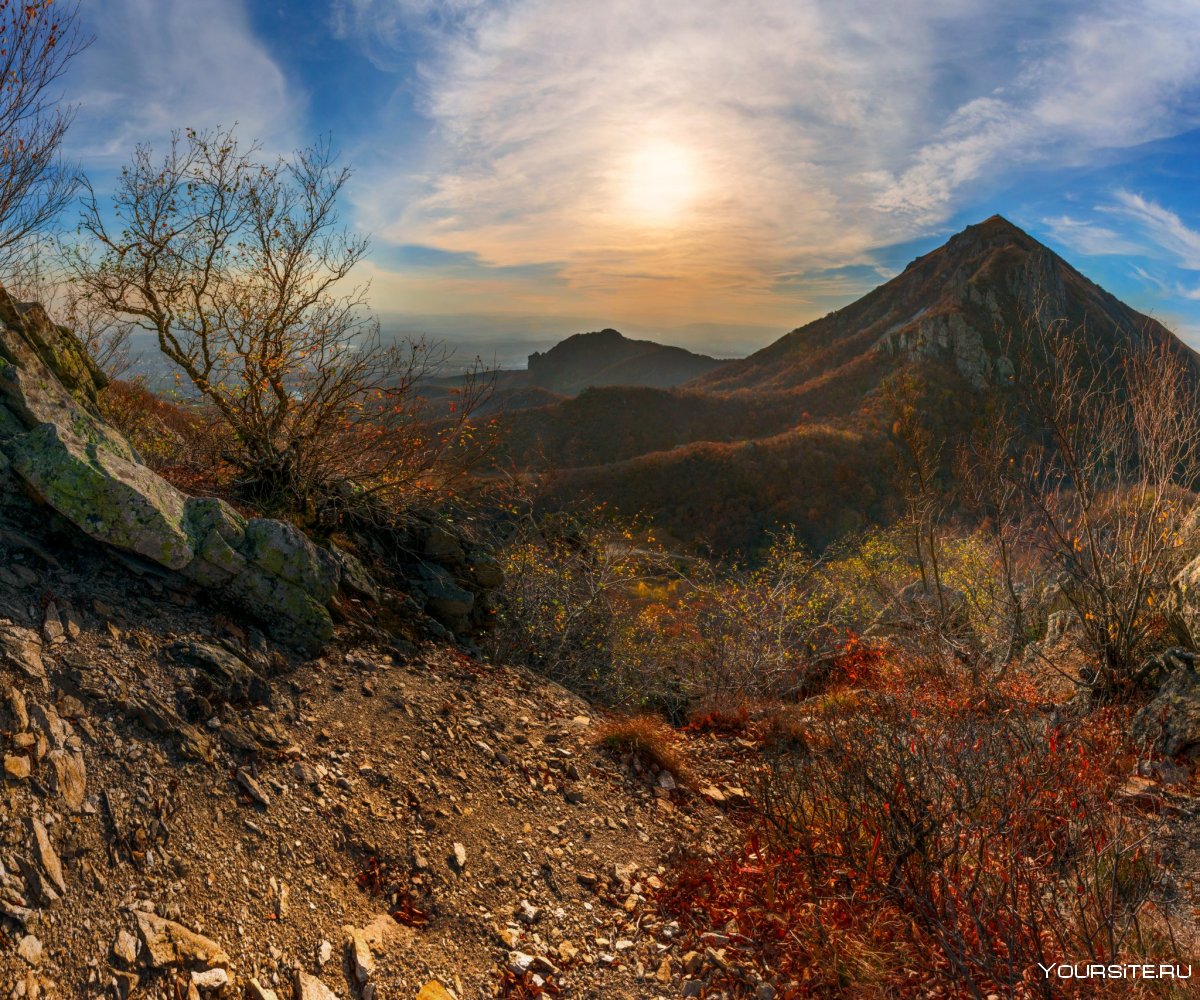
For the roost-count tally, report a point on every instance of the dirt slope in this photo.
(179, 765)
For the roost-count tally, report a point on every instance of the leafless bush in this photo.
(1115, 449)
(37, 42)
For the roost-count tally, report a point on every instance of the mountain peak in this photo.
(999, 226)
(957, 307)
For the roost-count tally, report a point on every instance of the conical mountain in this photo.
(967, 305)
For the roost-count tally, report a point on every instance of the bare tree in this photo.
(918, 465)
(1108, 481)
(38, 40)
(989, 483)
(239, 267)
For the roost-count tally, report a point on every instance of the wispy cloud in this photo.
(1165, 231)
(158, 65)
(813, 132)
(1090, 238)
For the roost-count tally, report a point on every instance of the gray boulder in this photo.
(445, 600)
(53, 438)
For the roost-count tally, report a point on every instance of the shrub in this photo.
(182, 442)
(948, 834)
(1105, 479)
(239, 266)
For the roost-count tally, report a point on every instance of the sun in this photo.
(658, 182)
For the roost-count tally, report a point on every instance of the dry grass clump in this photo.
(648, 742)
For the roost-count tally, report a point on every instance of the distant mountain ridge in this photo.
(607, 357)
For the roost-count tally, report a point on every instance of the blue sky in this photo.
(713, 173)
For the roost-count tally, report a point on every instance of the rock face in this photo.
(53, 439)
(1170, 723)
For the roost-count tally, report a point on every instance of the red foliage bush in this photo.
(930, 841)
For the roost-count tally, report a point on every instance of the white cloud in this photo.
(158, 65)
(815, 130)
(1091, 239)
(1165, 230)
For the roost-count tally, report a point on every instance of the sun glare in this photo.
(659, 181)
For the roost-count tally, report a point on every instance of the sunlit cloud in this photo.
(709, 149)
(666, 164)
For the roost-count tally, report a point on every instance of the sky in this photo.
(708, 172)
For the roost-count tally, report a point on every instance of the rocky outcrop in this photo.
(54, 441)
(1170, 723)
(453, 579)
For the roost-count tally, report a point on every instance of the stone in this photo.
(359, 959)
(16, 768)
(44, 719)
(485, 571)
(433, 990)
(445, 600)
(1170, 722)
(167, 944)
(210, 979)
(256, 991)
(230, 677)
(355, 579)
(30, 949)
(311, 988)
(125, 947)
(305, 773)
(460, 856)
(253, 788)
(46, 855)
(19, 708)
(68, 778)
(89, 474)
(22, 648)
(519, 962)
(443, 546)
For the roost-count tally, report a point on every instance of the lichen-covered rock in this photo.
(54, 439)
(114, 500)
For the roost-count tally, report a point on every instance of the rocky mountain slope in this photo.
(964, 306)
(186, 805)
(234, 765)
